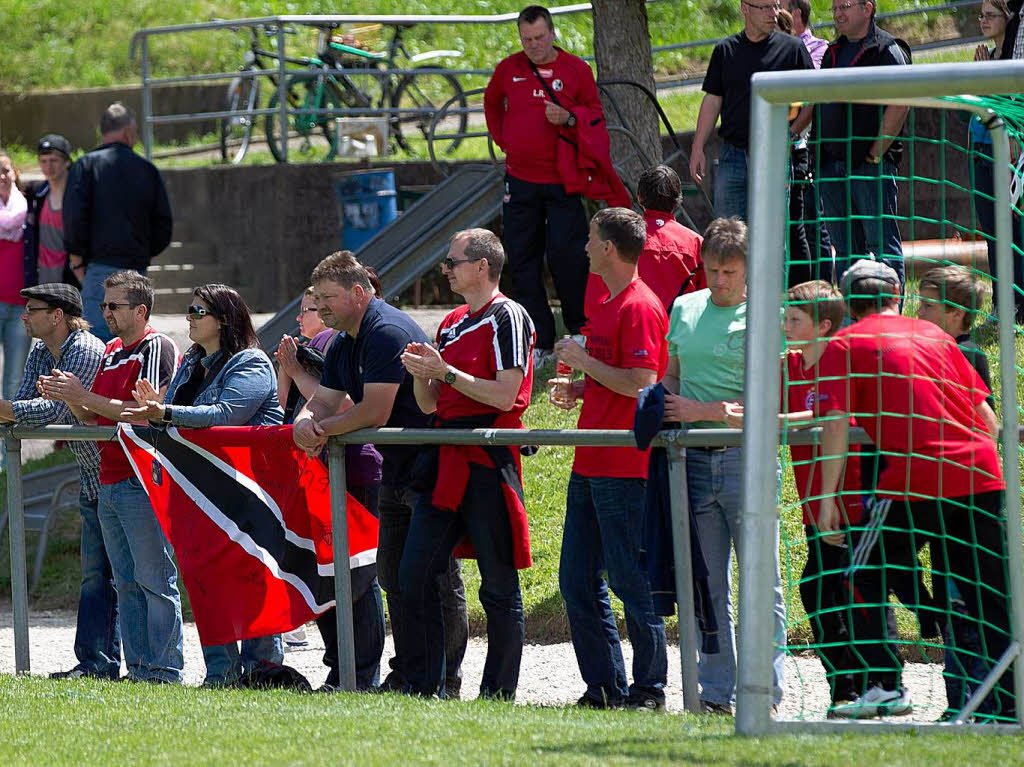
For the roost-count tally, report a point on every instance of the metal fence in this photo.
(771, 96)
(676, 442)
(278, 26)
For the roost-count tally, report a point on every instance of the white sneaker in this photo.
(542, 357)
(296, 638)
(875, 702)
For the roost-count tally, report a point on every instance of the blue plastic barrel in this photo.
(368, 204)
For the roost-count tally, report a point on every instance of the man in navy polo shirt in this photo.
(364, 365)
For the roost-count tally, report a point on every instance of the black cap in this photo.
(53, 142)
(867, 268)
(59, 295)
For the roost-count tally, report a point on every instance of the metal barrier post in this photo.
(19, 578)
(282, 103)
(680, 505)
(342, 573)
(147, 101)
(1008, 392)
(759, 549)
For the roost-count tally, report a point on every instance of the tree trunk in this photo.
(622, 45)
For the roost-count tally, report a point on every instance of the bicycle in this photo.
(413, 98)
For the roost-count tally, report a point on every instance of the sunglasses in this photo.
(195, 312)
(450, 263)
(114, 306)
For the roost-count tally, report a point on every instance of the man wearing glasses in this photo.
(841, 156)
(53, 315)
(140, 556)
(479, 376)
(758, 48)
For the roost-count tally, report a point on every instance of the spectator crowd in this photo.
(656, 320)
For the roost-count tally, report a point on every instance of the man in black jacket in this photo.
(861, 44)
(116, 212)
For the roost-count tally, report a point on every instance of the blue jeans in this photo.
(92, 295)
(146, 580)
(731, 182)
(224, 664)
(862, 213)
(604, 523)
(433, 535)
(98, 635)
(715, 480)
(15, 344)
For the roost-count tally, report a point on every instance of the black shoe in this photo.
(719, 709)
(453, 688)
(393, 682)
(81, 672)
(604, 702)
(645, 699)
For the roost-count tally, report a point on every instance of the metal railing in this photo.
(675, 442)
(278, 26)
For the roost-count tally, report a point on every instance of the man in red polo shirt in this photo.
(625, 351)
(912, 390)
(480, 375)
(539, 217)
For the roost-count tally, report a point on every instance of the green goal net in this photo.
(910, 595)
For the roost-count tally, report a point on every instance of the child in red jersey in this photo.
(814, 311)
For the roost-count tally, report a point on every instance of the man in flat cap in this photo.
(53, 315)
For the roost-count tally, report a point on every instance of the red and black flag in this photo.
(249, 517)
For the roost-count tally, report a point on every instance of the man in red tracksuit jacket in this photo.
(539, 216)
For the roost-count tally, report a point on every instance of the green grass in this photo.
(86, 44)
(99, 723)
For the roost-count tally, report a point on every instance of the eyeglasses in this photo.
(764, 8)
(991, 16)
(114, 306)
(195, 312)
(31, 309)
(450, 263)
(844, 7)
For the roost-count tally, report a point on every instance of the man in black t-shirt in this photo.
(758, 48)
(877, 157)
(364, 365)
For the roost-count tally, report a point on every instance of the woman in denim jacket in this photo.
(225, 379)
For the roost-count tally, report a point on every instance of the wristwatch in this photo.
(571, 122)
(449, 377)
(166, 417)
(873, 159)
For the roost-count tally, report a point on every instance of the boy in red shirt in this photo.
(814, 311)
(625, 351)
(912, 390)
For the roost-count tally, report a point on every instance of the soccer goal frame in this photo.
(772, 94)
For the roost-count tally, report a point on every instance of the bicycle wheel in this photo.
(236, 132)
(314, 136)
(429, 91)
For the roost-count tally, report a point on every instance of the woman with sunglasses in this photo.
(225, 379)
(299, 368)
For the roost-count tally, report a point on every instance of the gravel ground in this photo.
(549, 674)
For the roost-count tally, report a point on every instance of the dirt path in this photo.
(549, 673)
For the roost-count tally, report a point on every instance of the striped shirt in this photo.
(154, 357)
(79, 354)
